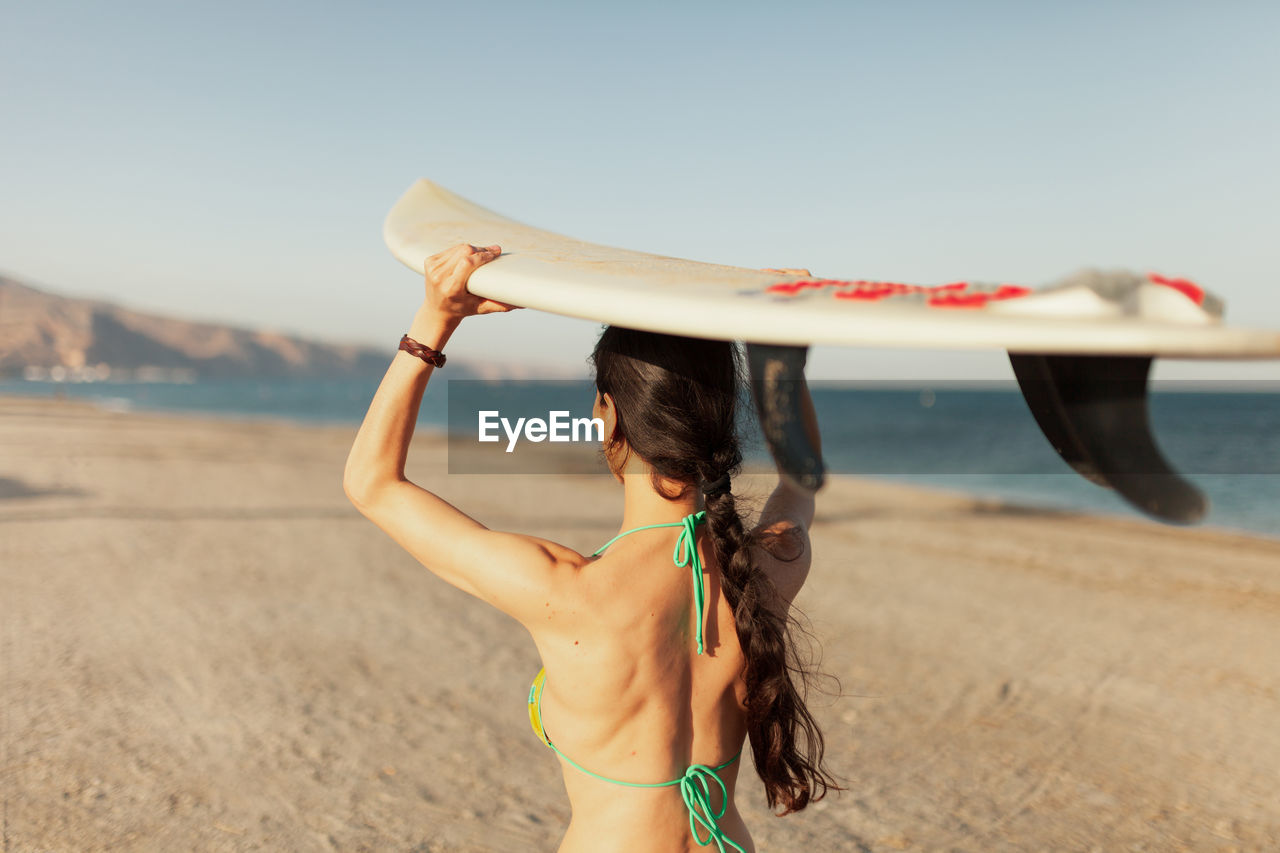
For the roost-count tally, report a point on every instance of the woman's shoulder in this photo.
(569, 559)
(783, 552)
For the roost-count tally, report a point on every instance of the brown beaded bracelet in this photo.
(433, 357)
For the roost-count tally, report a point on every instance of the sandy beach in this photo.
(204, 647)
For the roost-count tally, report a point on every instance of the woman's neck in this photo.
(643, 505)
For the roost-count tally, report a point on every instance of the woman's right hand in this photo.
(447, 274)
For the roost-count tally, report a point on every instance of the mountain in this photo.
(42, 332)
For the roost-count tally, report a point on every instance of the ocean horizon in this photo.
(981, 440)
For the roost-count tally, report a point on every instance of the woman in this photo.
(657, 665)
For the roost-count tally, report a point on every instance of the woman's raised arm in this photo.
(505, 569)
(788, 513)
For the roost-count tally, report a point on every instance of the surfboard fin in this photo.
(1093, 410)
(777, 375)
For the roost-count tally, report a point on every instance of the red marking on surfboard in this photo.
(979, 299)
(1185, 286)
(791, 288)
(955, 294)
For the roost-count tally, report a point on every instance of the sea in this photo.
(979, 440)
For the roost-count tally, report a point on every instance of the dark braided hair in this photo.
(676, 401)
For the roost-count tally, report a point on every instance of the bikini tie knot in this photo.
(686, 554)
(695, 788)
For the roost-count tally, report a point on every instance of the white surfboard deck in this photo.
(550, 272)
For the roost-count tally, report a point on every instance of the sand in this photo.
(204, 647)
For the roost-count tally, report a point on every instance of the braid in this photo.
(777, 717)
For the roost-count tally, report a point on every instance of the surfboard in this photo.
(1081, 347)
(1093, 312)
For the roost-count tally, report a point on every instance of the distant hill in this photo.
(41, 331)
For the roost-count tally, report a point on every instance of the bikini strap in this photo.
(684, 554)
(695, 785)
(695, 790)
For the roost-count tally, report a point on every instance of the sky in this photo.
(234, 161)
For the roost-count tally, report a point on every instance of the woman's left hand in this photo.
(447, 274)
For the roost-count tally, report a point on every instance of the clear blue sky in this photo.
(234, 160)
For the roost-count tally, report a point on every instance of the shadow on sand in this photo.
(14, 489)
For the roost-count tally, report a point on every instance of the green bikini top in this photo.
(696, 783)
(684, 554)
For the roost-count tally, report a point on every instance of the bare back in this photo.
(628, 697)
